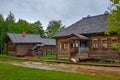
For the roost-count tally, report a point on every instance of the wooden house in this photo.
(29, 45)
(85, 39)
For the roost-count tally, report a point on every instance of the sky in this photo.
(68, 11)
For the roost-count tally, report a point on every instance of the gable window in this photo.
(104, 43)
(95, 43)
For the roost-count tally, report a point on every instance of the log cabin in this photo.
(85, 39)
(29, 45)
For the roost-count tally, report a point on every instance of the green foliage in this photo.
(18, 26)
(116, 46)
(113, 20)
(10, 25)
(39, 28)
(3, 31)
(115, 1)
(53, 27)
(30, 28)
(10, 72)
(10, 22)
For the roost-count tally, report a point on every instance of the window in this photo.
(63, 45)
(104, 43)
(114, 40)
(109, 43)
(76, 44)
(60, 46)
(95, 43)
(71, 45)
(84, 44)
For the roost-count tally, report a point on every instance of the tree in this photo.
(22, 26)
(113, 20)
(19, 26)
(30, 28)
(10, 18)
(39, 28)
(53, 27)
(10, 25)
(2, 32)
(10, 21)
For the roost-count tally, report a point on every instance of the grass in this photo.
(4, 57)
(102, 62)
(10, 72)
(49, 57)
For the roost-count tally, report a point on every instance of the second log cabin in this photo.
(85, 39)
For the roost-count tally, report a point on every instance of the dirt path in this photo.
(94, 70)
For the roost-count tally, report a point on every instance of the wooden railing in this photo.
(84, 49)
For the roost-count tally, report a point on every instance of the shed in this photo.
(25, 44)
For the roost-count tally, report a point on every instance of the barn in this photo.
(85, 39)
(22, 44)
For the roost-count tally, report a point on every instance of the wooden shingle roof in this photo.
(49, 41)
(87, 25)
(30, 38)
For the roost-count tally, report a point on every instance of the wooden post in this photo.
(69, 48)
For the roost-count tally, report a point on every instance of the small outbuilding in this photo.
(29, 45)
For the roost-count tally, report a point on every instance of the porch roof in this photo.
(37, 45)
(80, 36)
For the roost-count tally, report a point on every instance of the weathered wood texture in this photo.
(24, 49)
(103, 53)
(62, 53)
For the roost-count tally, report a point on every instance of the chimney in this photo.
(24, 34)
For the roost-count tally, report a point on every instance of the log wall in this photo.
(104, 54)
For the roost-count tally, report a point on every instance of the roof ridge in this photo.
(21, 33)
(85, 25)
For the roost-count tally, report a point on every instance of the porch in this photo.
(75, 46)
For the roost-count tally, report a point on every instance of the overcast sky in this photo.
(69, 11)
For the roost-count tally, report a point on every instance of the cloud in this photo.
(69, 11)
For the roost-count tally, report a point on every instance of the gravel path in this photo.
(85, 69)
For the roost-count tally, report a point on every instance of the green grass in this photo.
(49, 57)
(4, 57)
(102, 62)
(10, 72)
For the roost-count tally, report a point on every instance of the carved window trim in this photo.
(104, 43)
(95, 43)
(114, 40)
(63, 45)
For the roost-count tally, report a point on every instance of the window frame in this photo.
(95, 44)
(104, 45)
